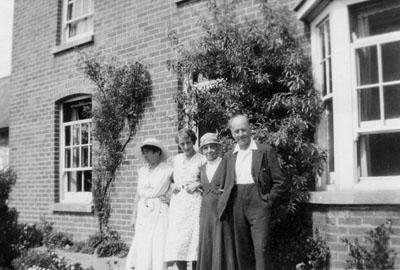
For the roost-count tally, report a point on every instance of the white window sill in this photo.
(383, 197)
(73, 207)
(72, 44)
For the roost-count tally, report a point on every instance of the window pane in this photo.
(392, 101)
(76, 133)
(67, 158)
(77, 8)
(67, 135)
(75, 158)
(324, 86)
(322, 37)
(85, 156)
(375, 18)
(379, 154)
(330, 75)
(331, 153)
(87, 182)
(72, 178)
(369, 104)
(85, 133)
(69, 11)
(367, 65)
(77, 110)
(90, 159)
(79, 182)
(391, 61)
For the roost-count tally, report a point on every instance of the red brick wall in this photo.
(338, 222)
(130, 30)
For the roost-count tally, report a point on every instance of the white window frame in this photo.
(65, 196)
(377, 126)
(66, 24)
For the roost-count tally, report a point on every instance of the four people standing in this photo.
(232, 229)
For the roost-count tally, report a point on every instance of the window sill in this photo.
(73, 207)
(72, 44)
(383, 197)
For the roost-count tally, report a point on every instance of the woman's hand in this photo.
(192, 187)
(175, 189)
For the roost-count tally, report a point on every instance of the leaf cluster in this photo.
(376, 254)
(119, 99)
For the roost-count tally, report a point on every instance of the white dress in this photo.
(148, 245)
(184, 211)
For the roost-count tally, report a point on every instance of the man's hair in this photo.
(238, 116)
(151, 148)
(186, 133)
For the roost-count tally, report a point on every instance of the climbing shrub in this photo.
(120, 92)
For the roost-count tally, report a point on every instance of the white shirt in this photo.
(243, 163)
(212, 167)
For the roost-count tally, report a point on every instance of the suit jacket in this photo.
(266, 173)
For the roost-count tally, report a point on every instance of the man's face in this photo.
(240, 130)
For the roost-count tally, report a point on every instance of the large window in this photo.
(77, 19)
(76, 151)
(325, 129)
(375, 35)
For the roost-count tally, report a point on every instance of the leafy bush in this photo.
(29, 236)
(8, 220)
(110, 245)
(53, 238)
(304, 249)
(103, 244)
(35, 259)
(375, 256)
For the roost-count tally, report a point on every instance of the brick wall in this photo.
(130, 30)
(338, 222)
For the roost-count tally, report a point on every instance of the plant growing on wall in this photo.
(256, 67)
(376, 254)
(119, 99)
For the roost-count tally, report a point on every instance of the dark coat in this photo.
(266, 173)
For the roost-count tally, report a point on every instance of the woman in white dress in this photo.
(183, 230)
(150, 214)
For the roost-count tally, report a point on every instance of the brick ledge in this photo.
(73, 207)
(385, 197)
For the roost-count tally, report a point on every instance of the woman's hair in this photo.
(151, 148)
(186, 133)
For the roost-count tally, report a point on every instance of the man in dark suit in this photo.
(253, 182)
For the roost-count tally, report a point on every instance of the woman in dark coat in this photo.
(216, 249)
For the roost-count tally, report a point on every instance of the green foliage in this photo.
(120, 94)
(35, 259)
(376, 254)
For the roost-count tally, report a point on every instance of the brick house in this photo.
(49, 137)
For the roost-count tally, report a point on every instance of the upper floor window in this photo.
(77, 19)
(375, 36)
(76, 151)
